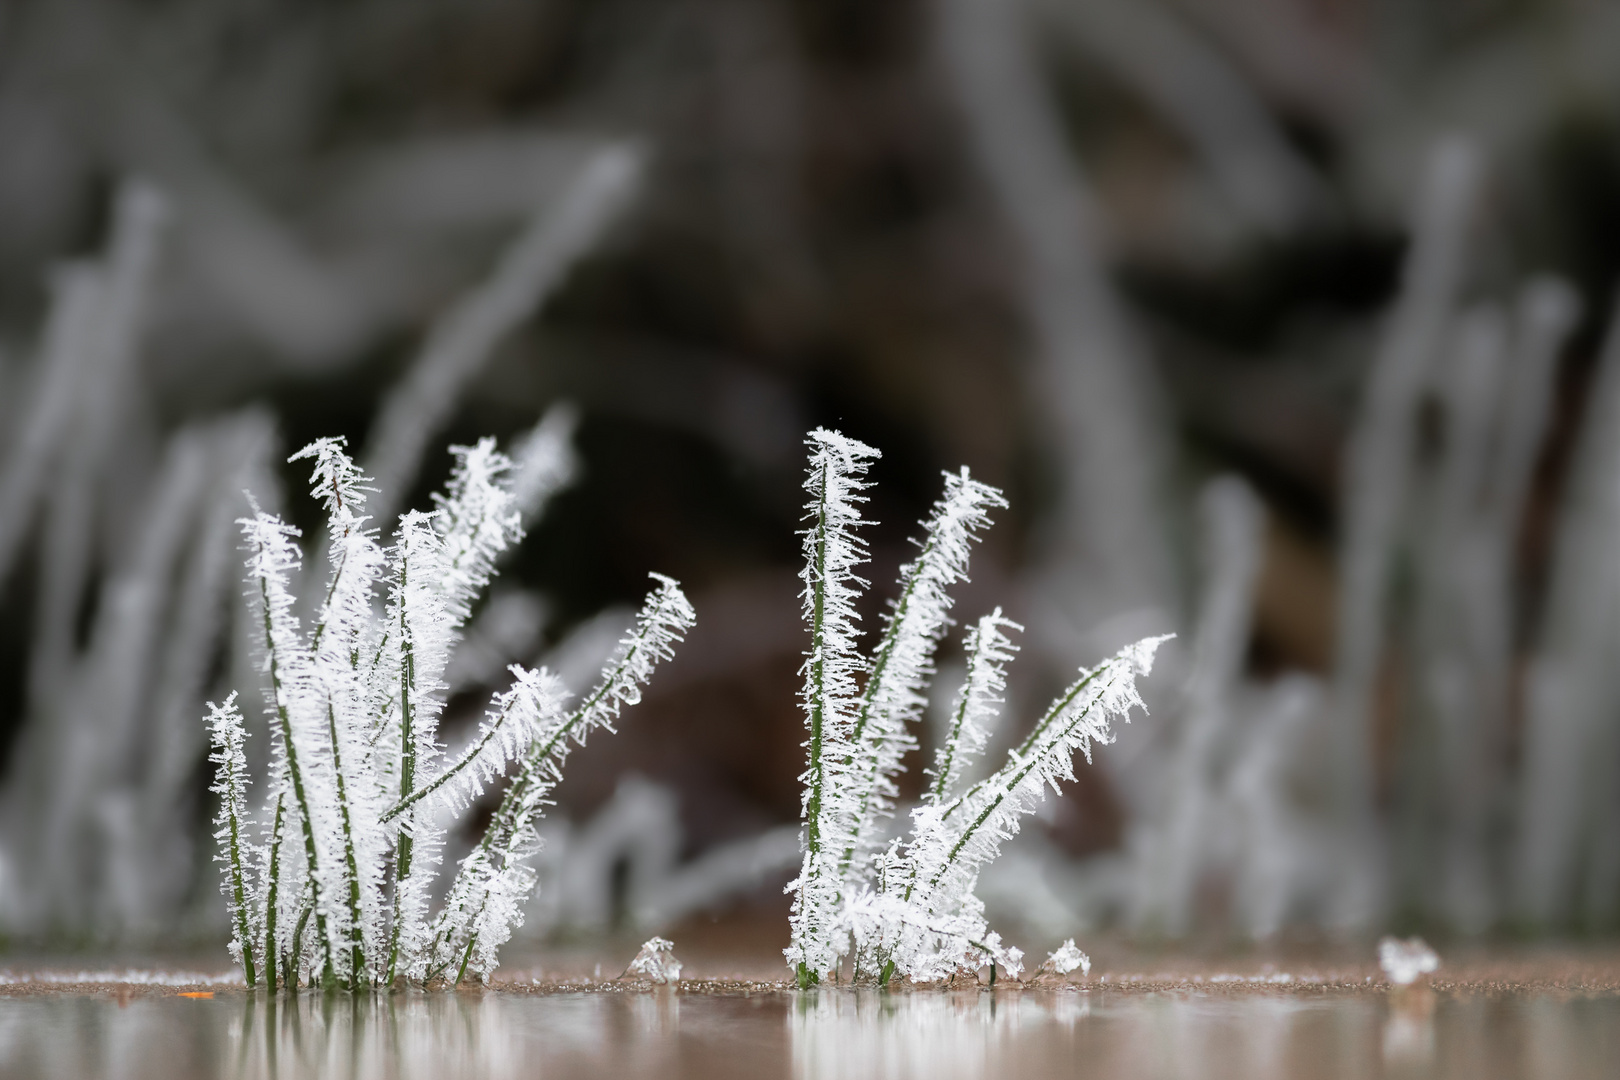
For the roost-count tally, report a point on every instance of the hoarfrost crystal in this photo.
(656, 961)
(1066, 959)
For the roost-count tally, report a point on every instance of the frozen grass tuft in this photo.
(906, 905)
(331, 882)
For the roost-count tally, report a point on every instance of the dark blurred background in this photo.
(1103, 252)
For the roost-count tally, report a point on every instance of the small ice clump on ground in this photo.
(1066, 959)
(656, 961)
(1404, 961)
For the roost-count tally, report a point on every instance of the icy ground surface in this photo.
(1492, 1016)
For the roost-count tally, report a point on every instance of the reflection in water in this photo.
(825, 1034)
(941, 1036)
(1409, 1030)
(414, 1035)
(869, 1033)
(1414, 1033)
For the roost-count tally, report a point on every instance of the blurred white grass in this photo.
(1377, 480)
(1195, 825)
(99, 826)
(1218, 802)
(1149, 47)
(95, 812)
(1429, 575)
(1106, 553)
(1566, 867)
(461, 341)
(621, 869)
(309, 293)
(1493, 395)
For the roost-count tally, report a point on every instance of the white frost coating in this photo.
(665, 617)
(337, 887)
(1066, 959)
(909, 908)
(230, 784)
(408, 686)
(512, 724)
(485, 900)
(942, 925)
(1403, 962)
(894, 698)
(345, 631)
(485, 903)
(656, 961)
(477, 518)
(977, 705)
(832, 552)
(299, 747)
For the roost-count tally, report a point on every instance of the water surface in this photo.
(830, 1033)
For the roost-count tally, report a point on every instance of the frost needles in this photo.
(907, 906)
(331, 882)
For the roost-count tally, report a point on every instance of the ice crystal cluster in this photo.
(1067, 958)
(331, 881)
(906, 905)
(1404, 961)
(656, 962)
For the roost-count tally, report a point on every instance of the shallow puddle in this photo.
(836, 1033)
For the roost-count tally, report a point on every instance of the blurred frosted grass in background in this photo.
(1281, 322)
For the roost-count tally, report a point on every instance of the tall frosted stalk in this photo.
(977, 704)
(832, 552)
(273, 558)
(225, 731)
(893, 699)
